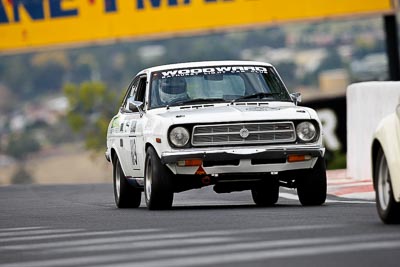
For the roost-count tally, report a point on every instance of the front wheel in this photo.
(388, 208)
(158, 187)
(266, 193)
(311, 185)
(125, 195)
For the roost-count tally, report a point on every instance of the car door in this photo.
(132, 136)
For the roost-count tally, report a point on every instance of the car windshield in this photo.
(216, 84)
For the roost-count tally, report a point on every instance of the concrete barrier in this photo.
(367, 104)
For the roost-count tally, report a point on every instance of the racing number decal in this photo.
(133, 126)
(133, 143)
(134, 153)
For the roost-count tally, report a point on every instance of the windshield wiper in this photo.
(197, 101)
(259, 95)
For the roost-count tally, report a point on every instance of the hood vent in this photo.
(257, 104)
(197, 106)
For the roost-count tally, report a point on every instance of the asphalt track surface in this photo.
(78, 225)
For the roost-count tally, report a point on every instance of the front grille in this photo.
(243, 133)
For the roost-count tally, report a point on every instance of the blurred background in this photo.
(55, 104)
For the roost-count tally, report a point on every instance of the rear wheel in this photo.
(125, 195)
(311, 185)
(266, 193)
(388, 208)
(158, 187)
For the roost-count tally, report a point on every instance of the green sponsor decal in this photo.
(115, 122)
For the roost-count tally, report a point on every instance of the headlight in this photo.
(179, 136)
(306, 131)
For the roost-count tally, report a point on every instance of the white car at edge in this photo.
(386, 167)
(230, 124)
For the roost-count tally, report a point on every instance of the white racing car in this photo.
(386, 167)
(231, 124)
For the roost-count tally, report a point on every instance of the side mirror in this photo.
(134, 106)
(296, 98)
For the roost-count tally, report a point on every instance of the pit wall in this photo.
(367, 104)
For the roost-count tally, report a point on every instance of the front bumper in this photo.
(275, 152)
(274, 157)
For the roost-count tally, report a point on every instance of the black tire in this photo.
(311, 185)
(158, 186)
(266, 193)
(388, 208)
(125, 195)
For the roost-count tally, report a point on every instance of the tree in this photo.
(21, 144)
(91, 108)
(21, 175)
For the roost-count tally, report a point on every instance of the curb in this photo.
(342, 186)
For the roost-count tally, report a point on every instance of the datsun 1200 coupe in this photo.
(230, 124)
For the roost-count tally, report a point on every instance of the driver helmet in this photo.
(172, 89)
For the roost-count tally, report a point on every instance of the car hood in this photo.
(233, 113)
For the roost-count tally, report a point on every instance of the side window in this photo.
(130, 92)
(141, 90)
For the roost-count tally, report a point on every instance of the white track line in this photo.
(81, 234)
(119, 239)
(38, 232)
(229, 253)
(107, 248)
(20, 229)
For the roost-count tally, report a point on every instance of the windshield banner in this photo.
(212, 70)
